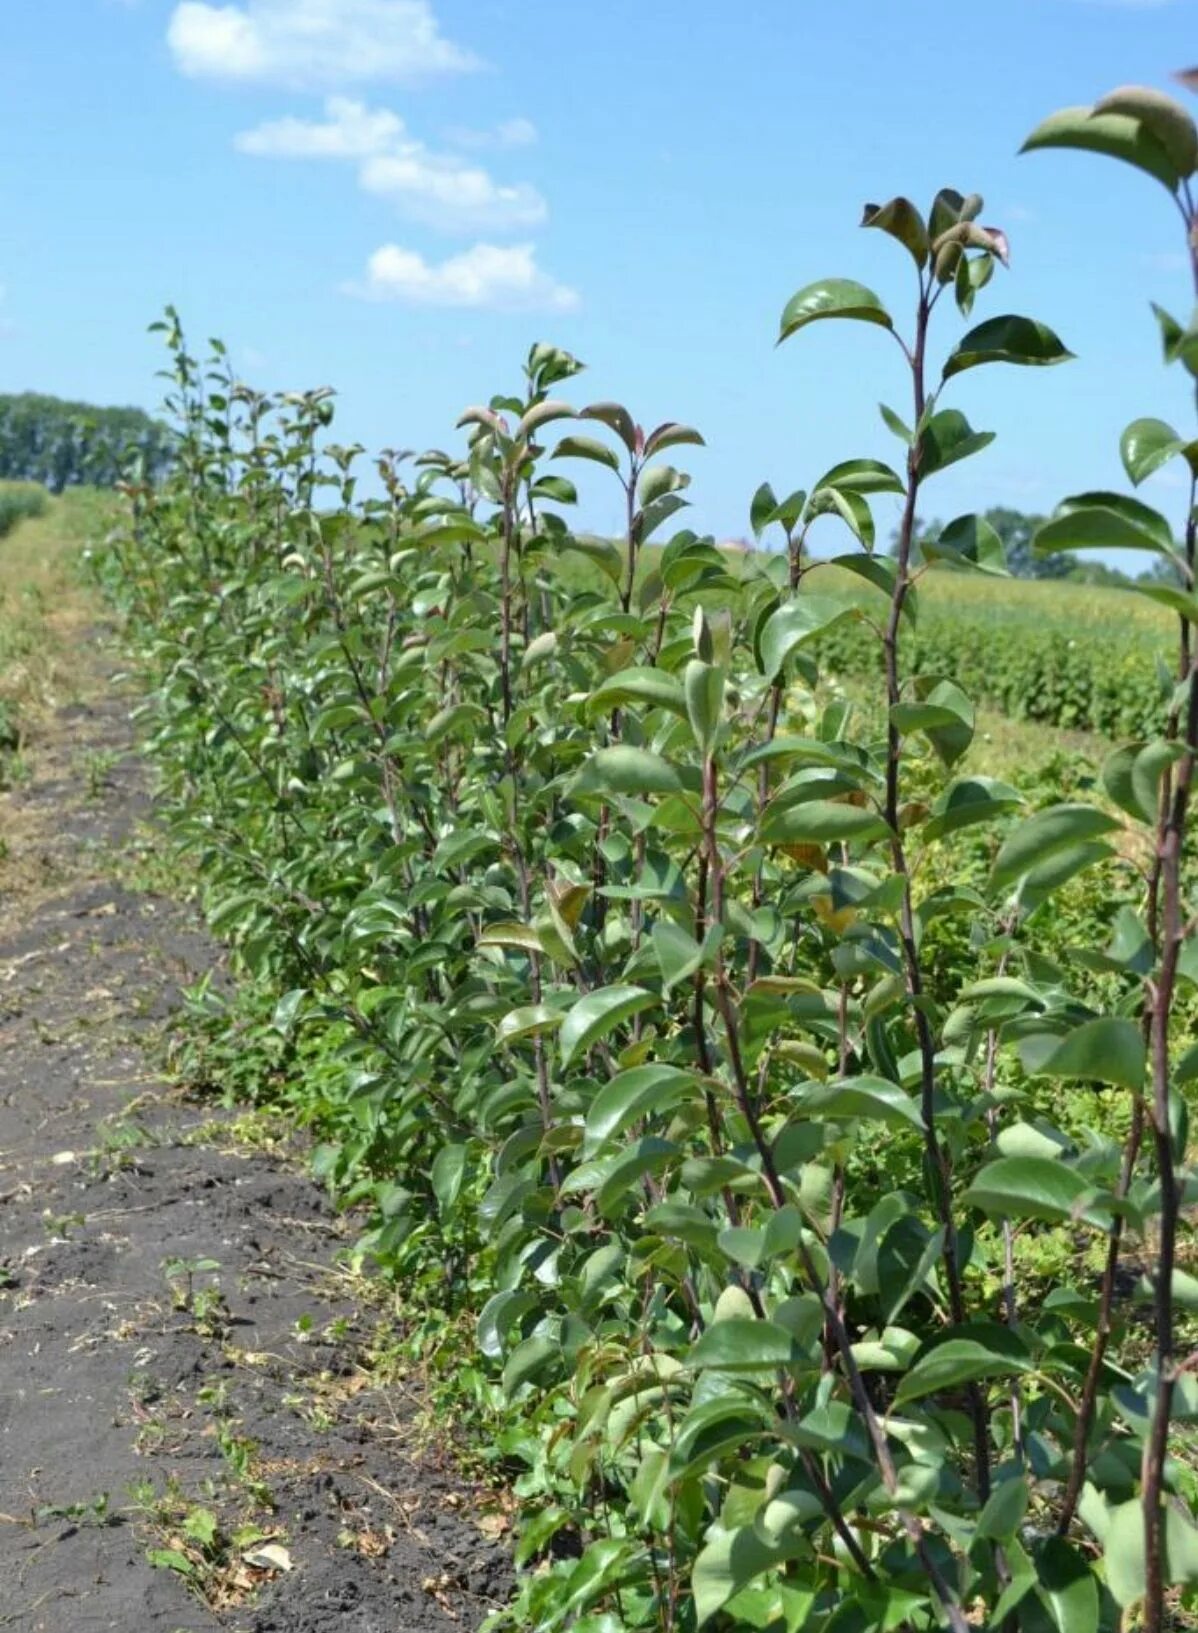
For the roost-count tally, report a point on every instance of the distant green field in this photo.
(1081, 657)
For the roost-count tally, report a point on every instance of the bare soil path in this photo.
(148, 1401)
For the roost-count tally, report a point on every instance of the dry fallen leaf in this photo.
(271, 1556)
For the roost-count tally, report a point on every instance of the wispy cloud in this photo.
(350, 130)
(493, 277)
(442, 190)
(508, 133)
(312, 44)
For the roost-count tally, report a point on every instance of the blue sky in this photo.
(397, 197)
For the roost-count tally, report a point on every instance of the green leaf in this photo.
(746, 1344)
(1114, 134)
(1039, 836)
(832, 298)
(728, 1562)
(873, 1098)
(654, 688)
(617, 418)
(671, 435)
(1068, 1587)
(601, 551)
(954, 1362)
(903, 222)
(1007, 339)
(895, 424)
(1104, 521)
(798, 621)
(969, 801)
(679, 955)
(528, 1022)
(947, 438)
(1004, 1509)
(703, 684)
(170, 1559)
(1162, 116)
(1146, 445)
(862, 476)
(1047, 877)
(631, 1095)
(821, 822)
(1177, 344)
(1106, 1050)
(762, 509)
(622, 769)
(1182, 602)
(970, 542)
(587, 448)
(541, 413)
(1027, 1188)
(599, 1013)
(448, 1171)
(944, 716)
(1132, 776)
(852, 509)
(520, 936)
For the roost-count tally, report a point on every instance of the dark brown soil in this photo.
(125, 1407)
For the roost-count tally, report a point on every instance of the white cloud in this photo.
(444, 192)
(351, 131)
(311, 43)
(508, 133)
(492, 276)
(439, 189)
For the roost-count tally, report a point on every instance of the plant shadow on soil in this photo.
(178, 1348)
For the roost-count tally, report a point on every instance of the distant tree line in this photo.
(1015, 528)
(63, 444)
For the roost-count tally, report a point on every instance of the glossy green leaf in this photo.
(872, 1098)
(592, 1018)
(947, 438)
(862, 476)
(1104, 521)
(630, 1095)
(968, 802)
(1007, 339)
(1146, 445)
(968, 542)
(802, 619)
(832, 298)
(529, 1021)
(746, 1344)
